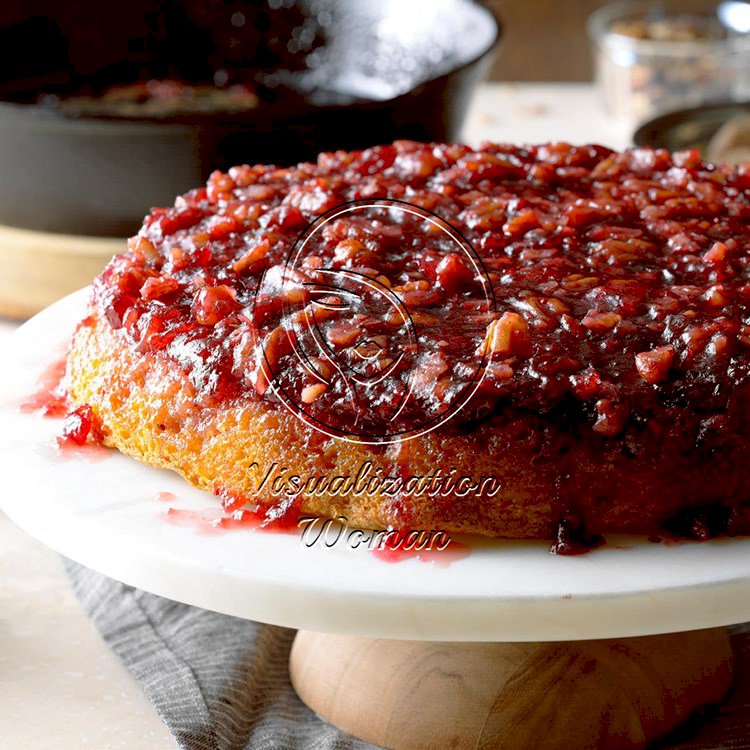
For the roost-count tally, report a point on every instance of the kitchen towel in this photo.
(217, 682)
(221, 683)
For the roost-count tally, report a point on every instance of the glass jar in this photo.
(655, 57)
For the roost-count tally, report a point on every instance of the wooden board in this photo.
(40, 268)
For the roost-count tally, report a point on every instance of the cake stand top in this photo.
(103, 511)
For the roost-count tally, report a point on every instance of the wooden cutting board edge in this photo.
(38, 268)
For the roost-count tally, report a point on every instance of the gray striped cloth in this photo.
(221, 683)
(217, 682)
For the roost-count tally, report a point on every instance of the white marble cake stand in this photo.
(530, 660)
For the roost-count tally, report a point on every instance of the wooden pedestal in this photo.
(418, 695)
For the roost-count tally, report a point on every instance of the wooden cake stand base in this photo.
(420, 695)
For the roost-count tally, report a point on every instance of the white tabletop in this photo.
(60, 687)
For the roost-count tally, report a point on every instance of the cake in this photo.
(577, 342)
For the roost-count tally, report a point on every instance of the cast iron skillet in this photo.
(688, 128)
(331, 74)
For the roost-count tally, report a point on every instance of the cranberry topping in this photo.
(621, 281)
(709, 521)
(81, 425)
(573, 538)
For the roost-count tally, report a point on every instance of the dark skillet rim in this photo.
(665, 123)
(264, 113)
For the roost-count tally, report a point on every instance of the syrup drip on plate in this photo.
(165, 497)
(398, 548)
(50, 398)
(212, 522)
(286, 520)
